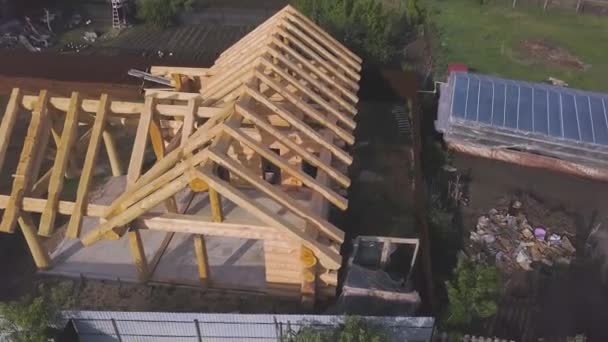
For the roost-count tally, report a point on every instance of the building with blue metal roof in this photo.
(566, 129)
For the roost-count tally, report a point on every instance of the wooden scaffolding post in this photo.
(68, 137)
(113, 155)
(39, 254)
(73, 231)
(139, 256)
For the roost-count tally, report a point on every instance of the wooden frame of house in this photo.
(275, 113)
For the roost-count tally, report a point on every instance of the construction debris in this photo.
(517, 243)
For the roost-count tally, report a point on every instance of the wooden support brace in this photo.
(86, 178)
(113, 156)
(39, 253)
(327, 228)
(309, 157)
(8, 123)
(327, 256)
(284, 165)
(139, 256)
(201, 258)
(68, 137)
(141, 141)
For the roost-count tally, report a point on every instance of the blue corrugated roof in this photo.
(555, 112)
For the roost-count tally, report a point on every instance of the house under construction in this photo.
(243, 176)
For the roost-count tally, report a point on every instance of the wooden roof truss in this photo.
(287, 83)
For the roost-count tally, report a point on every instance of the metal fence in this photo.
(143, 326)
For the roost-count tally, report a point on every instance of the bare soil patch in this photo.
(539, 50)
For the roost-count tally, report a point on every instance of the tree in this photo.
(161, 13)
(363, 25)
(33, 319)
(472, 293)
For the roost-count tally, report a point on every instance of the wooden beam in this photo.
(113, 156)
(327, 228)
(201, 224)
(68, 137)
(309, 157)
(329, 258)
(8, 123)
(139, 256)
(36, 205)
(329, 82)
(141, 141)
(124, 109)
(135, 211)
(306, 129)
(39, 253)
(74, 226)
(303, 74)
(216, 206)
(167, 71)
(309, 276)
(201, 258)
(284, 165)
(25, 168)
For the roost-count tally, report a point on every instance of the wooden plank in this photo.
(332, 71)
(284, 165)
(328, 107)
(161, 70)
(203, 225)
(39, 253)
(201, 258)
(327, 228)
(23, 177)
(68, 137)
(303, 127)
(36, 205)
(336, 44)
(188, 125)
(124, 109)
(292, 54)
(320, 36)
(216, 206)
(305, 75)
(329, 258)
(139, 256)
(8, 123)
(309, 157)
(141, 141)
(74, 226)
(113, 156)
(135, 211)
(352, 74)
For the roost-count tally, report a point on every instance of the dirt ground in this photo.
(539, 50)
(564, 302)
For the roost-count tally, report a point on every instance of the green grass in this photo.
(486, 37)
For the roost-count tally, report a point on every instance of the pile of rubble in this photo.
(515, 243)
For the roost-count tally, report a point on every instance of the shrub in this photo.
(33, 319)
(161, 13)
(472, 293)
(363, 25)
(354, 329)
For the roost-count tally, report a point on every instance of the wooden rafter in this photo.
(282, 97)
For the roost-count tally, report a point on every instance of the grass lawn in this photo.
(489, 39)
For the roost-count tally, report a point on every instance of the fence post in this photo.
(198, 330)
(116, 330)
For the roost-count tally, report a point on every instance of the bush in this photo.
(33, 319)
(354, 330)
(472, 293)
(161, 13)
(363, 25)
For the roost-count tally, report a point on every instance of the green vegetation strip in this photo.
(523, 43)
